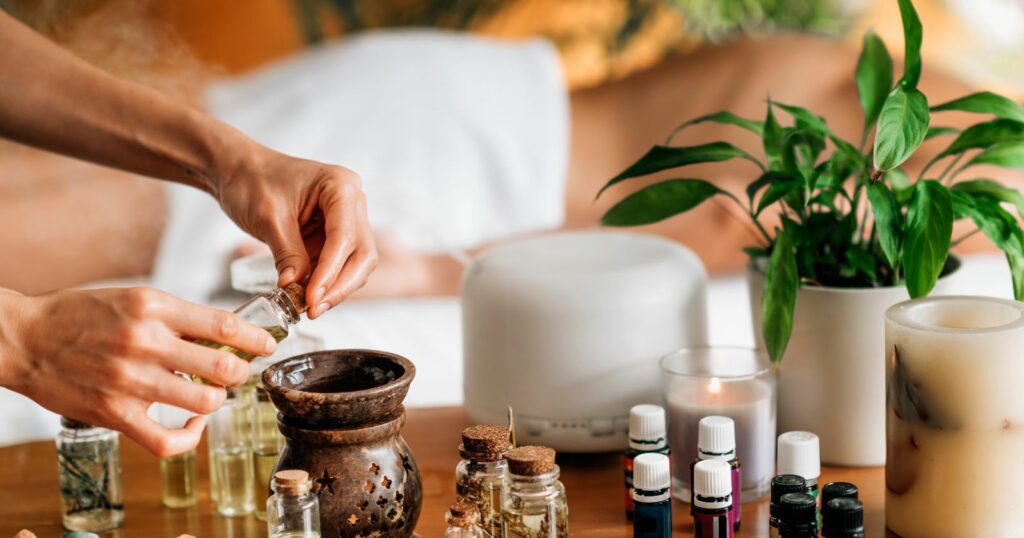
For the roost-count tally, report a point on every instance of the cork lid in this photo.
(485, 442)
(463, 515)
(291, 482)
(530, 460)
(297, 295)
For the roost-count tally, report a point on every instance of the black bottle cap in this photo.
(842, 517)
(837, 490)
(797, 509)
(783, 484)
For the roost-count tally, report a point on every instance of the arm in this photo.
(307, 212)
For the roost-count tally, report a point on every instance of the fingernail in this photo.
(319, 293)
(324, 307)
(288, 274)
(270, 345)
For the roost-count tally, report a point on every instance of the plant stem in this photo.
(743, 223)
(964, 237)
(942, 177)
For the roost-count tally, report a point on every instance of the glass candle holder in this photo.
(954, 417)
(734, 382)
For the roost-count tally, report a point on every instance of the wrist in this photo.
(16, 314)
(232, 155)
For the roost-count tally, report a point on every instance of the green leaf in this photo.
(929, 232)
(913, 33)
(773, 140)
(723, 117)
(661, 158)
(902, 126)
(860, 261)
(767, 178)
(660, 201)
(888, 222)
(778, 191)
(940, 131)
(1017, 273)
(985, 103)
(874, 77)
(983, 135)
(779, 299)
(1007, 155)
(805, 118)
(992, 189)
(902, 188)
(1000, 227)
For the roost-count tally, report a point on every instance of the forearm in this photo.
(52, 100)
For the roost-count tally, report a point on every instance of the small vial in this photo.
(89, 472)
(652, 496)
(798, 454)
(712, 499)
(838, 490)
(798, 516)
(534, 503)
(716, 440)
(842, 517)
(231, 468)
(781, 485)
(463, 521)
(178, 480)
(646, 435)
(267, 443)
(293, 511)
(480, 476)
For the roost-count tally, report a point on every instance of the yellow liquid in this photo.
(234, 475)
(263, 469)
(279, 333)
(295, 534)
(178, 480)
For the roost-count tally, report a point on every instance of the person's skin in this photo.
(103, 356)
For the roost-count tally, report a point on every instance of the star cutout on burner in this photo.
(326, 480)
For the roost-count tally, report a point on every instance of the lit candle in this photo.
(732, 382)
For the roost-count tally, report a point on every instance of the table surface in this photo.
(29, 494)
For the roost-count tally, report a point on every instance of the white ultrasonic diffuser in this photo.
(568, 330)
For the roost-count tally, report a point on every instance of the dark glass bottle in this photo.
(798, 516)
(646, 435)
(838, 490)
(716, 440)
(781, 485)
(842, 517)
(652, 497)
(712, 499)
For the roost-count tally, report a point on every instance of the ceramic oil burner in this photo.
(341, 413)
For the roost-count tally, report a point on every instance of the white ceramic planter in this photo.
(832, 377)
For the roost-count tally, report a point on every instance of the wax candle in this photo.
(955, 417)
(731, 382)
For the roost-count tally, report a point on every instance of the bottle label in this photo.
(711, 525)
(628, 464)
(734, 514)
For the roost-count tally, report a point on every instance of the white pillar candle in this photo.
(955, 417)
(732, 382)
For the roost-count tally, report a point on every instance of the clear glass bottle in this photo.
(533, 501)
(480, 476)
(267, 443)
(275, 311)
(89, 472)
(229, 435)
(178, 480)
(463, 522)
(293, 511)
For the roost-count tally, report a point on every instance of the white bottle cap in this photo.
(799, 455)
(647, 427)
(716, 438)
(712, 484)
(651, 472)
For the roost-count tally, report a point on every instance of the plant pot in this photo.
(341, 413)
(832, 376)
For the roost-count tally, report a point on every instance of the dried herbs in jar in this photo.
(89, 471)
(480, 476)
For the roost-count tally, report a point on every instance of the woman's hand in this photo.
(103, 356)
(312, 215)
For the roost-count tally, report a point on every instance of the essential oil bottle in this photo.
(782, 485)
(798, 454)
(716, 440)
(463, 522)
(647, 434)
(267, 443)
(652, 496)
(229, 436)
(842, 517)
(480, 475)
(89, 472)
(178, 480)
(712, 499)
(838, 490)
(798, 516)
(534, 503)
(293, 511)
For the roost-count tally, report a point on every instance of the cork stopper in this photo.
(484, 443)
(296, 293)
(463, 515)
(530, 460)
(291, 482)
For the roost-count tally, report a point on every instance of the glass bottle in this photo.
(781, 485)
(646, 435)
(229, 435)
(798, 516)
(480, 476)
(463, 519)
(178, 480)
(716, 440)
(267, 443)
(89, 471)
(533, 500)
(652, 496)
(842, 517)
(275, 311)
(293, 511)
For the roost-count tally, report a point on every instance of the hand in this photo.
(310, 214)
(103, 356)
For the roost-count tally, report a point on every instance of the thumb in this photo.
(289, 250)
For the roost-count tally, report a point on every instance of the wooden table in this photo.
(29, 494)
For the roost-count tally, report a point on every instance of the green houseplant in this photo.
(850, 216)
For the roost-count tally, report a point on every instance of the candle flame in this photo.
(715, 386)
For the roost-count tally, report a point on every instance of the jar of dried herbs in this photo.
(89, 472)
(463, 522)
(480, 476)
(533, 502)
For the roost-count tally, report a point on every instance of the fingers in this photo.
(219, 326)
(357, 269)
(163, 441)
(173, 390)
(340, 228)
(285, 240)
(215, 365)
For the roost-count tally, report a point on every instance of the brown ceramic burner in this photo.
(341, 413)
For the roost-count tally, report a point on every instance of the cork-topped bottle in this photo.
(534, 503)
(480, 476)
(89, 472)
(293, 511)
(463, 522)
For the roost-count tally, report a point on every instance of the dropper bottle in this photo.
(716, 440)
(712, 499)
(798, 454)
(798, 515)
(647, 434)
(842, 517)
(781, 485)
